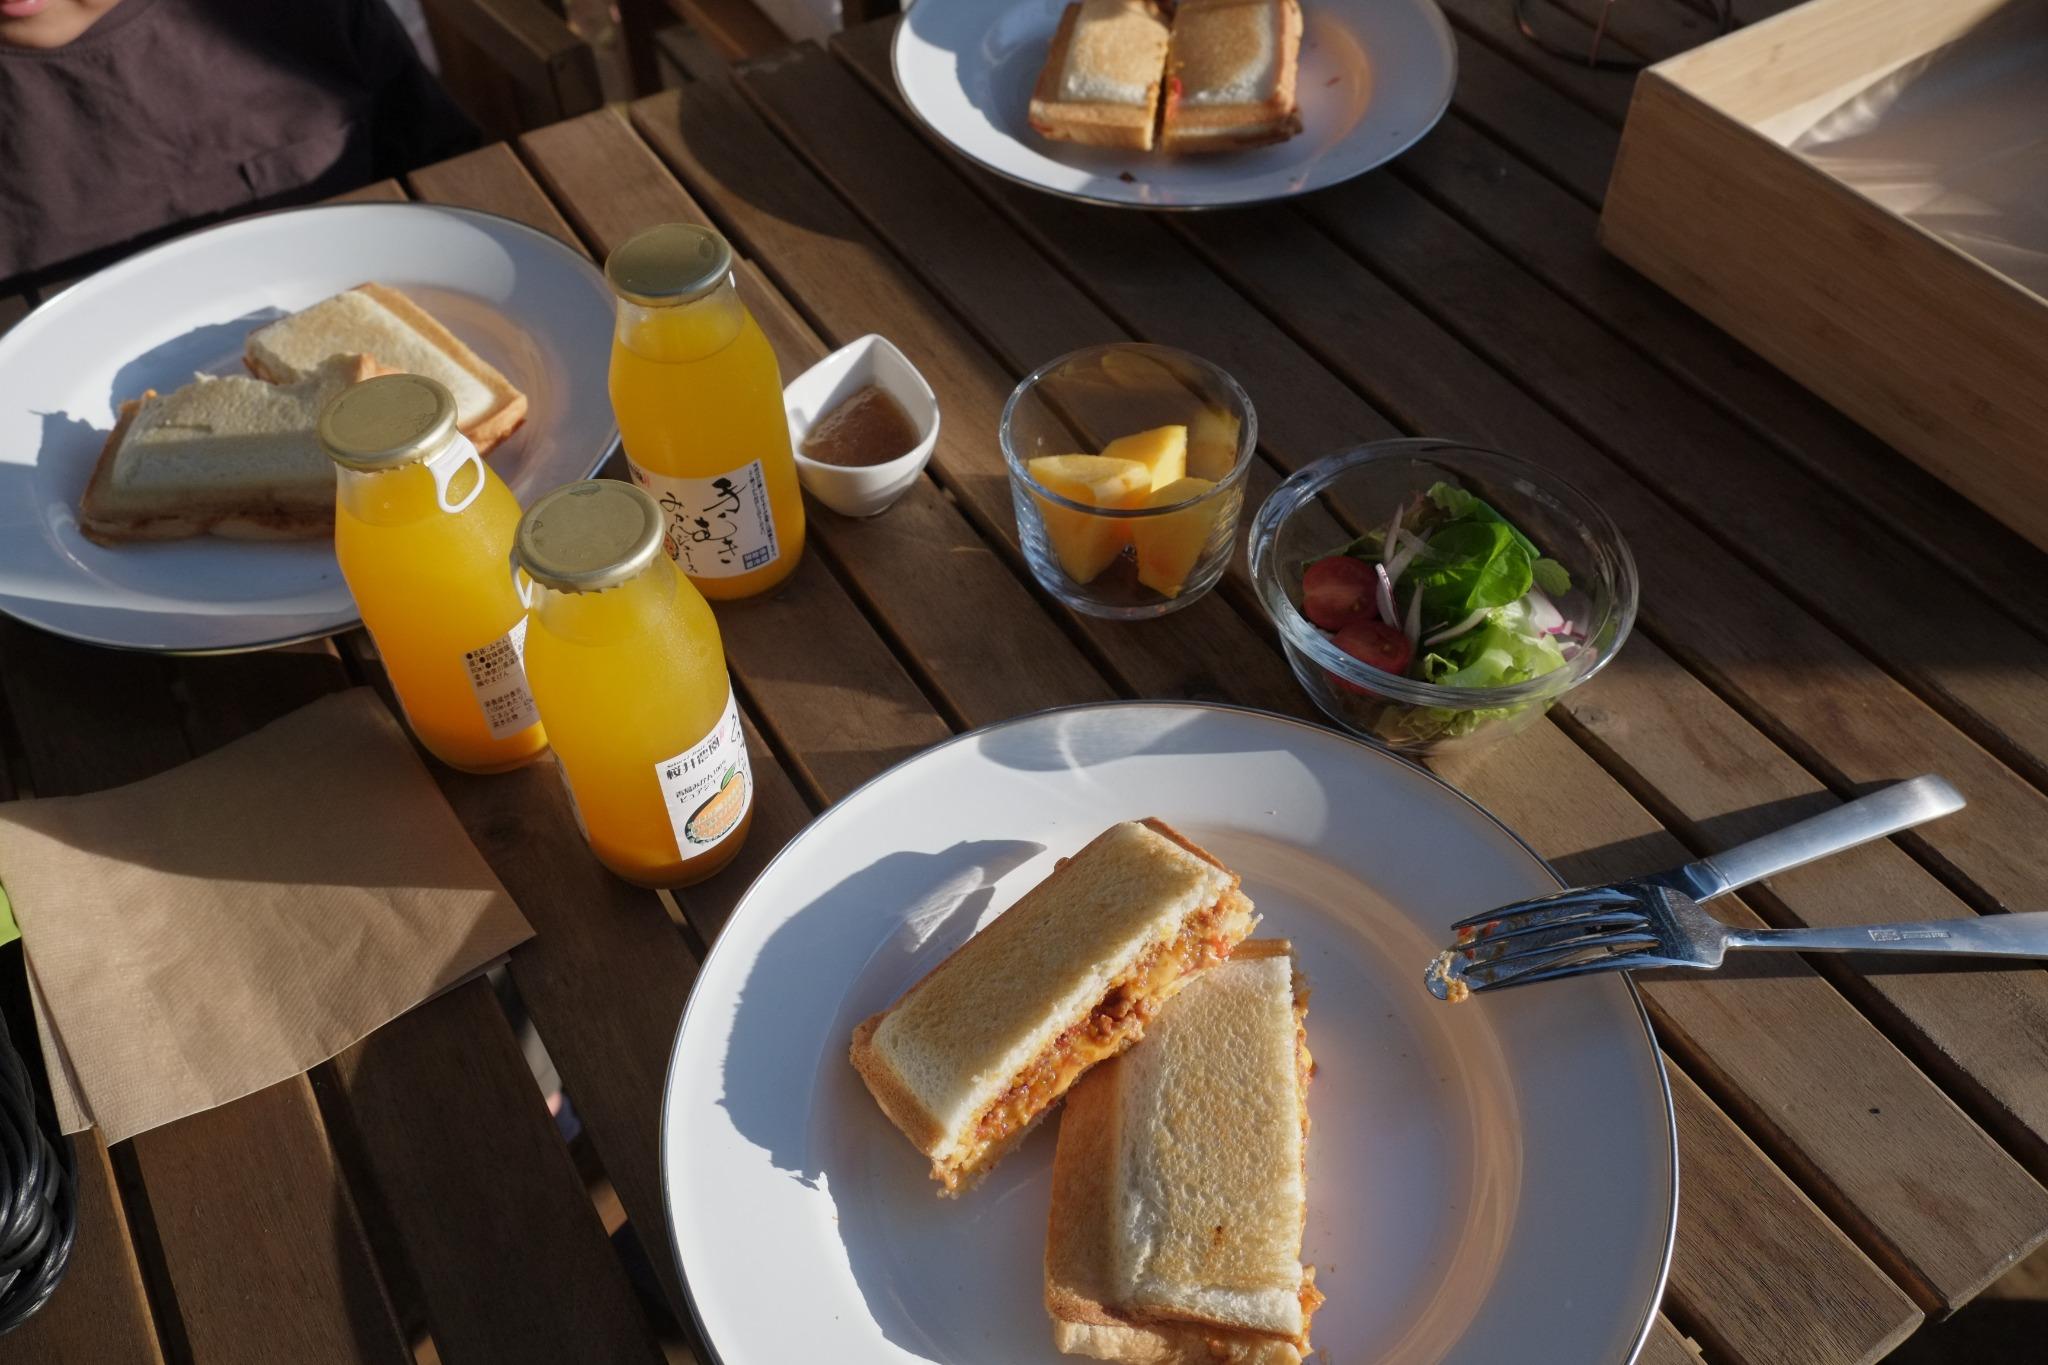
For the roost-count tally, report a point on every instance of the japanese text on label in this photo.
(715, 528)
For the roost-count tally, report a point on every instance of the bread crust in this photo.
(508, 409)
(1090, 123)
(895, 1098)
(1188, 128)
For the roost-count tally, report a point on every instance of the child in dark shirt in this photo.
(120, 119)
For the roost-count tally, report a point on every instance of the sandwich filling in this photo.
(1205, 939)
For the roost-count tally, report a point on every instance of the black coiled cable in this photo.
(38, 1196)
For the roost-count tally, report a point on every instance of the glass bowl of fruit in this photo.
(1433, 595)
(1127, 466)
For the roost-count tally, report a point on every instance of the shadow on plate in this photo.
(806, 1107)
(213, 348)
(943, 896)
(1096, 731)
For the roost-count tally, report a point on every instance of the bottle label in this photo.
(709, 786)
(497, 675)
(715, 527)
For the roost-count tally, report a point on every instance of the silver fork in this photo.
(1656, 921)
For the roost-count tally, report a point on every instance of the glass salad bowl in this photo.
(1480, 589)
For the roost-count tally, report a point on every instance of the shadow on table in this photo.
(1990, 1331)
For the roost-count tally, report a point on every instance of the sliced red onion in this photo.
(1412, 627)
(1577, 610)
(1393, 535)
(1463, 627)
(1398, 565)
(1569, 650)
(1543, 613)
(1386, 596)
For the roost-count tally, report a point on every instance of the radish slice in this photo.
(1463, 627)
(1543, 613)
(1386, 596)
(1412, 627)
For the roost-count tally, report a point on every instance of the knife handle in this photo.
(1899, 806)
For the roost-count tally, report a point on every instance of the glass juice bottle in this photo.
(624, 659)
(698, 396)
(423, 530)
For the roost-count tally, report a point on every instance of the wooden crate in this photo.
(1933, 350)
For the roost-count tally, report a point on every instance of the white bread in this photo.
(232, 456)
(380, 322)
(1178, 1187)
(1230, 75)
(1099, 944)
(1101, 79)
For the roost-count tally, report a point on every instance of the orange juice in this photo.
(624, 659)
(423, 530)
(699, 401)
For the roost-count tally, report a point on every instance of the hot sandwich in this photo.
(978, 1051)
(1180, 1180)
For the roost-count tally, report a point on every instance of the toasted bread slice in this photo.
(232, 457)
(378, 321)
(1100, 82)
(979, 1050)
(1230, 75)
(1179, 1188)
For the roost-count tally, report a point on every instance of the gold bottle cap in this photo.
(670, 264)
(392, 420)
(589, 536)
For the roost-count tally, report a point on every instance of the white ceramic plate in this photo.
(1488, 1182)
(1375, 76)
(525, 302)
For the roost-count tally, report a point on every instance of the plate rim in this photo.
(691, 1001)
(325, 628)
(1432, 14)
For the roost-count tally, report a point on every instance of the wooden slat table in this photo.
(1859, 1153)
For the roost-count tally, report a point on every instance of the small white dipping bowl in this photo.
(863, 490)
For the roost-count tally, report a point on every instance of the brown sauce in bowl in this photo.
(867, 427)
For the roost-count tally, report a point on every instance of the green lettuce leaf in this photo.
(1498, 654)
(1471, 566)
(1552, 577)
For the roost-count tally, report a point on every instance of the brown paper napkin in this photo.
(223, 926)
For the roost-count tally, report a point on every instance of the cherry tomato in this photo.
(1337, 590)
(1373, 641)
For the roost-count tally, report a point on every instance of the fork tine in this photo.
(1619, 962)
(1603, 919)
(1617, 940)
(1560, 906)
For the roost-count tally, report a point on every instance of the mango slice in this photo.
(1212, 443)
(1086, 545)
(1163, 451)
(1168, 546)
